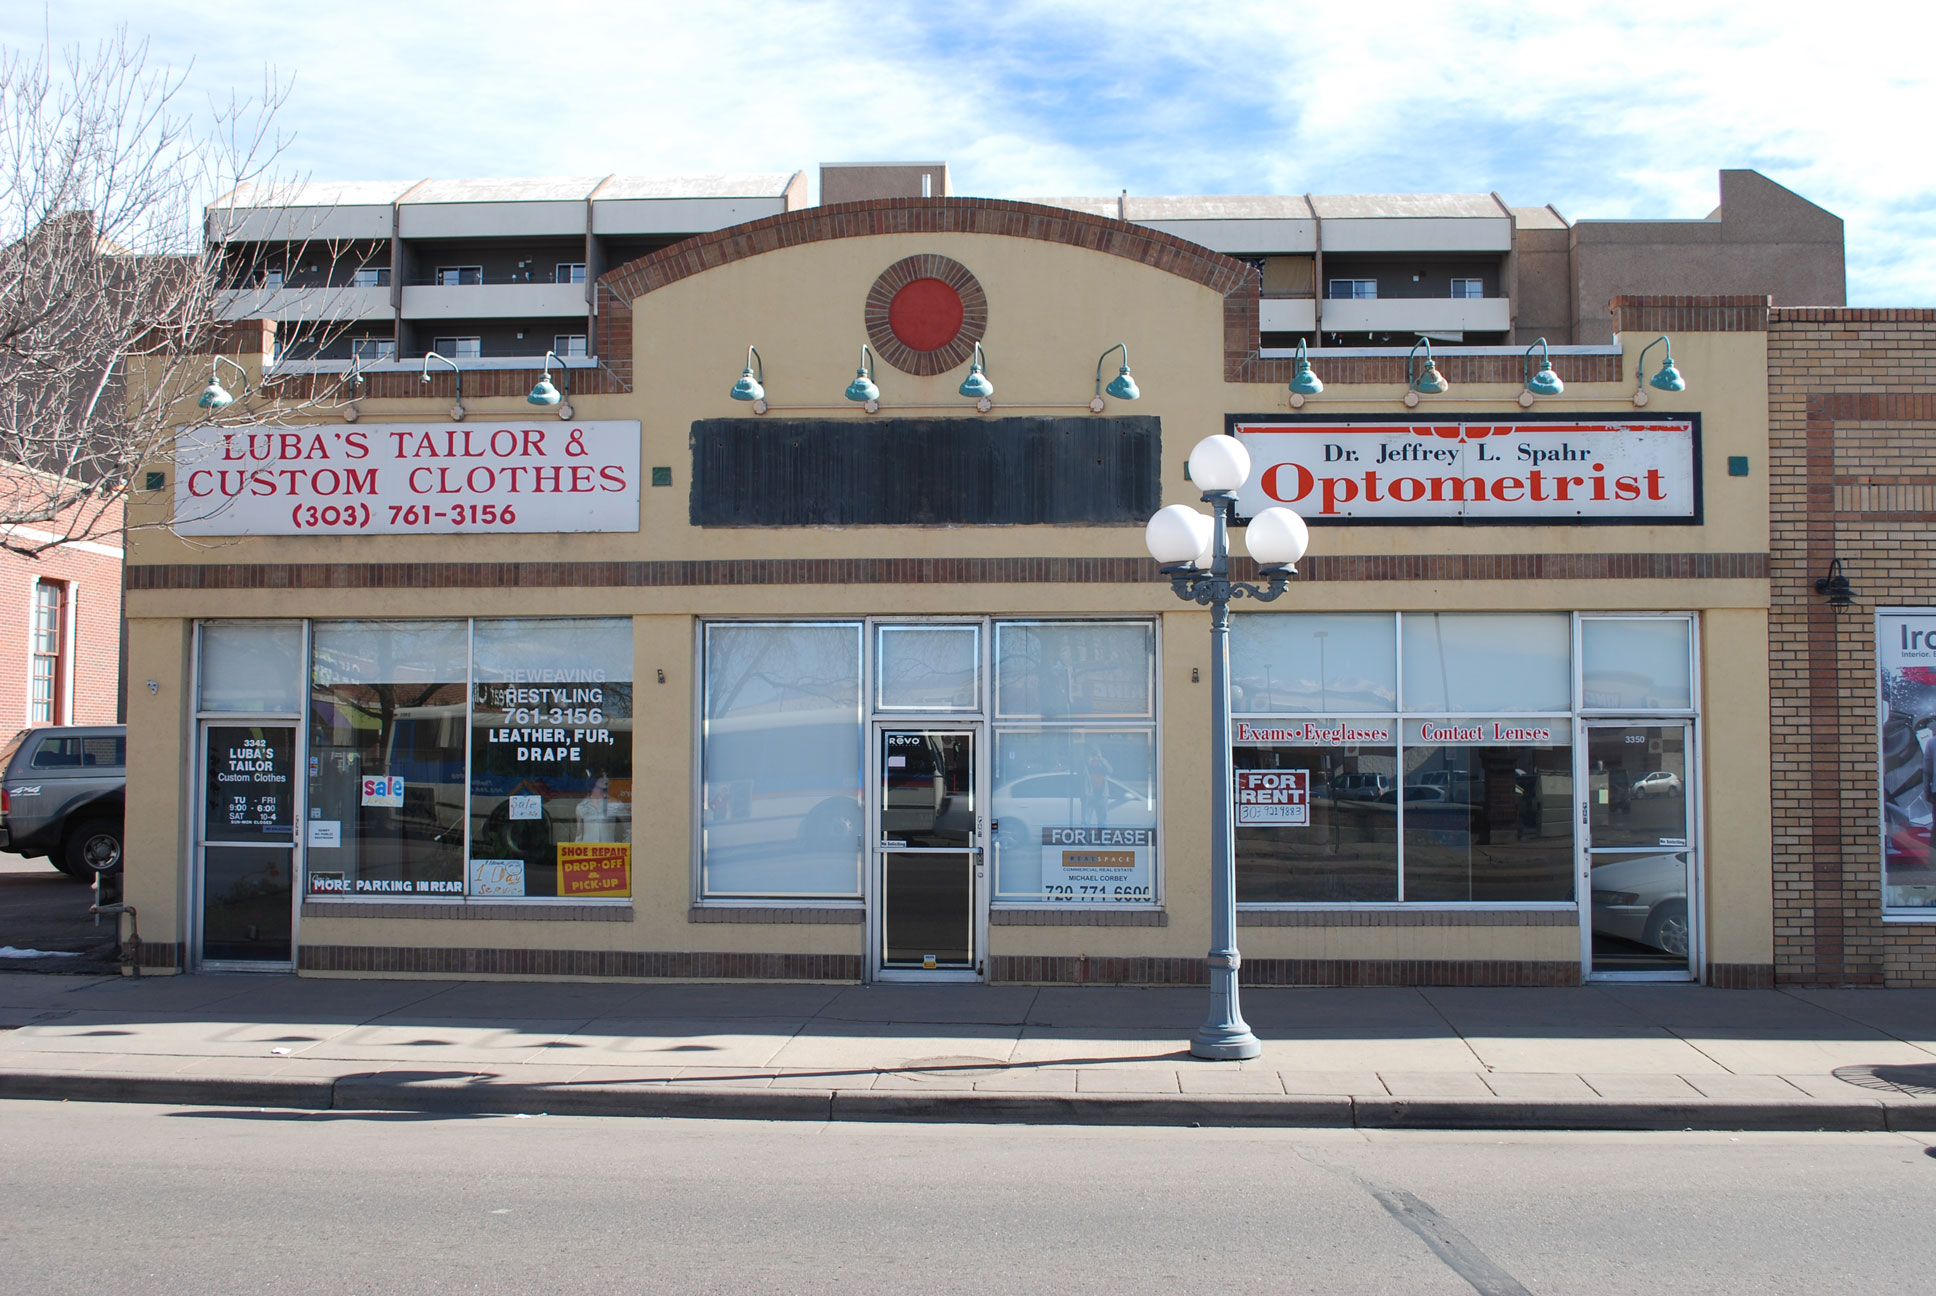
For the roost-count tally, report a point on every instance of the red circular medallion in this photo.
(925, 315)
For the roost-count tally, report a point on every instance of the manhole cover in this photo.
(1916, 1081)
(960, 1067)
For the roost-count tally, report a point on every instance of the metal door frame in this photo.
(977, 728)
(1696, 848)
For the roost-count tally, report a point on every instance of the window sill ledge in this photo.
(852, 917)
(1138, 917)
(549, 911)
(1568, 917)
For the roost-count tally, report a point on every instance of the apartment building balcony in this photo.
(1287, 315)
(520, 300)
(323, 302)
(1417, 315)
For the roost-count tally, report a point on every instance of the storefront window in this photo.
(780, 807)
(1459, 663)
(929, 668)
(1074, 670)
(1637, 663)
(551, 759)
(1074, 814)
(1073, 808)
(1315, 663)
(386, 758)
(1906, 659)
(252, 667)
(1333, 838)
(1488, 810)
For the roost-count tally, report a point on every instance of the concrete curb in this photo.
(456, 1093)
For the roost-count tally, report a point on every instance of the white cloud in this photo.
(1602, 110)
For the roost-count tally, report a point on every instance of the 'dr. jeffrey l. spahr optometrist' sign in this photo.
(1499, 469)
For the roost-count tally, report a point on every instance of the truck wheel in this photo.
(94, 846)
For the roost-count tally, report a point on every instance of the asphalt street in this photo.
(43, 909)
(104, 1197)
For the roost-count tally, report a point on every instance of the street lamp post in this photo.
(1194, 552)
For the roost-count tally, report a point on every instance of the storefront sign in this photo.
(407, 479)
(1906, 662)
(594, 868)
(1276, 798)
(1497, 470)
(251, 783)
(1096, 863)
(1488, 732)
(1314, 733)
(383, 790)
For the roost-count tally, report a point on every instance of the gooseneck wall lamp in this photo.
(862, 390)
(1426, 381)
(1303, 381)
(1835, 586)
(546, 394)
(215, 396)
(1544, 382)
(1193, 551)
(976, 385)
(751, 387)
(1668, 379)
(457, 406)
(1122, 386)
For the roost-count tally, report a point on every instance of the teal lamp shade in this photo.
(976, 385)
(1431, 382)
(1545, 382)
(862, 388)
(1669, 378)
(215, 396)
(748, 387)
(1122, 386)
(1303, 381)
(544, 393)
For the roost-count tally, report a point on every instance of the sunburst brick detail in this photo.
(878, 315)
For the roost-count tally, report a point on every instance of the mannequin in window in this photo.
(601, 818)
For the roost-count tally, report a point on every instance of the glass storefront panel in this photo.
(1345, 850)
(387, 721)
(1636, 785)
(1316, 662)
(252, 667)
(1488, 820)
(1637, 663)
(1074, 815)
(780, 807)
(1475, 663)
(929, 668)
(1075, 670)
(1905, 647)
(551, 759)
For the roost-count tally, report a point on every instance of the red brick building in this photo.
(60, 628)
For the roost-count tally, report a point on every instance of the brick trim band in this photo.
(1078, 918)
(775, 914)
(1669, 314)
(1741, 976)
(562, 912)
(929, 571)
(1083, 970)
(1408, 918)
(637, 964)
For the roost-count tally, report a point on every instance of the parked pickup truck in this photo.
(62, 788)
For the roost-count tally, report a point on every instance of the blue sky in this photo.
(1601, 110)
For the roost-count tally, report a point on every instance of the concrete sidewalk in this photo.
(1595, 1057)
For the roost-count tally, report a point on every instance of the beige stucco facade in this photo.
(1055, 300)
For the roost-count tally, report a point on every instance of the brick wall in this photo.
(91, 574)
(1852, 467)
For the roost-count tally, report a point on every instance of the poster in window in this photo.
(1906, 663)
(250, 782)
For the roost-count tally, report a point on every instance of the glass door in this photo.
(929, 885)
(245, 846)
(1639, 858)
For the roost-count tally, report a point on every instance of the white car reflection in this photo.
(1056, 800)
(1643, 900)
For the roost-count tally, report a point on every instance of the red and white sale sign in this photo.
(1495, 470)
(407, 479)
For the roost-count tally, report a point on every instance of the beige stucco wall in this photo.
(1052, 309)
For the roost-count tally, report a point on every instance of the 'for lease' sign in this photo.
(1496, 470)
(407, 479)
